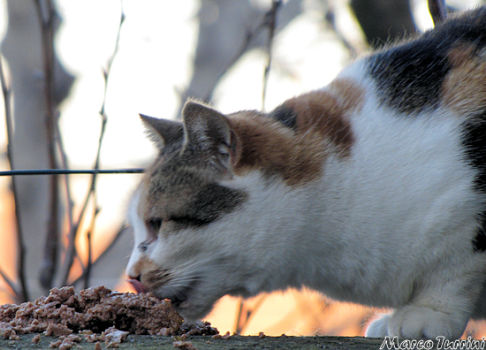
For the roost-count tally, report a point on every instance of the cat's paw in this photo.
(416, 322)
(378, 328)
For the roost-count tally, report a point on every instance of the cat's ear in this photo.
(163, 131)
(209, 131)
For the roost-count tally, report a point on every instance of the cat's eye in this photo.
(144, 245)
(188, 221)
(153, 226)
(223, 150)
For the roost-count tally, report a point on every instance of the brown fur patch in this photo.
(464, 88)
(349, 94)
(321, 128)
(325, 111)
(276, 150)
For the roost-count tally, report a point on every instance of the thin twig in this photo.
(331, 20)
(245, 314)
(71, 249)
(239, 313)
(251, 313)
(104, 253)
(87, 270)
(67, 185)
(47, 15)
(249, 37)
(438, 10)
(89, 236)
(11, 284)
(271, 21)
(21, 291)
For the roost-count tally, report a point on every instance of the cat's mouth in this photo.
(177, 298)
(138, 286)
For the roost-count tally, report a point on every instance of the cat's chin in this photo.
(190, 302)
(194, 311)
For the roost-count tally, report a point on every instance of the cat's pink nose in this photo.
(136, 284)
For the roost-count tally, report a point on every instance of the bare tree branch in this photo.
(331, 20)
(47, 14)
(89, 262)
(245, 313)
(250, 36)
(71, 250)
(271, 21)
(103, 254)
(22, 294)
(67, 185)
(11, 285)
(87, 270)
(383, 21)
(438, 10)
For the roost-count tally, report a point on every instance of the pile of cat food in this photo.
(97, 314)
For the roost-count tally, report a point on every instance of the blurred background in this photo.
(78, 72)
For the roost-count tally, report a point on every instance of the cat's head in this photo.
(182, 213)
(218, 211)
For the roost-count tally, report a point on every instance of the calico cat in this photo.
(371, 190)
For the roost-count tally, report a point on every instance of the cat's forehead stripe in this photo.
(175, 195)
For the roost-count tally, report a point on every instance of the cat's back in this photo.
(445, 67)
(411, 190)
(419, 136)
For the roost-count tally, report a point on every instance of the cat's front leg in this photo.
(417, 322)
(427, 317)
(440, 305)
(427, 321)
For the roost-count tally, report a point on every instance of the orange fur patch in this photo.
(464, 87)
(321, 128)
(325, 112)
(349, 94)
(276, 150)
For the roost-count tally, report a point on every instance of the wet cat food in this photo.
(95, 310)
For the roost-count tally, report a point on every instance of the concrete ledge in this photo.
(207, 342)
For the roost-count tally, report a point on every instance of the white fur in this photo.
(140, 235)
(390, 226)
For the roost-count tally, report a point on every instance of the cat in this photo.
(371, 190)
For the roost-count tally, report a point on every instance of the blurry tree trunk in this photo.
(223, 29)
(383, 20)
(22, 50)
